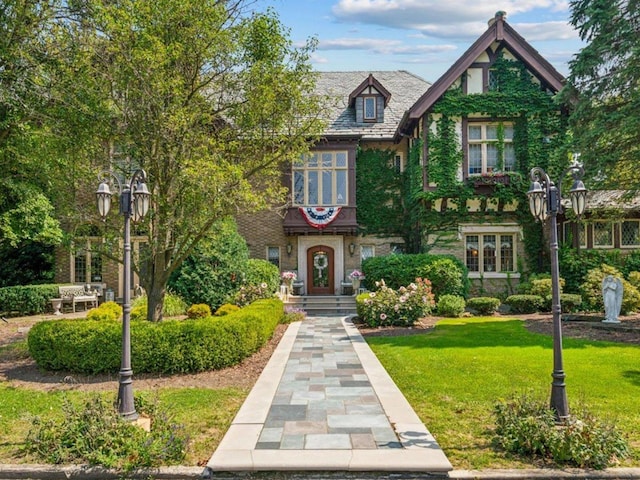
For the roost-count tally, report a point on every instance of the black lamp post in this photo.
(134, 203)
(545, 202)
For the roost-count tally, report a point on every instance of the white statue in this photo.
(612, 296)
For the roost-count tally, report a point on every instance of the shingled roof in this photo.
(404, 89)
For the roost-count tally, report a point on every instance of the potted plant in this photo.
(356, 276)
(288, 277)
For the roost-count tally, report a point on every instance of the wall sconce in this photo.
(352, 248)
(289, 249)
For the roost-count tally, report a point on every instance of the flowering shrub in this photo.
(292, 314)
(356, 274)
(289, 275)
(250, 293)
(401, 307)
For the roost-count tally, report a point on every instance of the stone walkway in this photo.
(324, 402)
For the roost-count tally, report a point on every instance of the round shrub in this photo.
(446, 276)
(171, 346)
(174, 306)
(525, 303)
(483, 305)
(451, 306)
(258, 271)
(199, 310)
(226, 309)
(634, 279)
(591, 290)
(570, 302)
(106, 311)
(250, 293)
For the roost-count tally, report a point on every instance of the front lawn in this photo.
(454, 375)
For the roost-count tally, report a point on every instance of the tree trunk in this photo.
(155, 301)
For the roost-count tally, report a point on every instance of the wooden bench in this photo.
(75, 294)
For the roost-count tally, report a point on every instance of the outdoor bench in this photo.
(75, 294)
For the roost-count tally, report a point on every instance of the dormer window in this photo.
(370, 111)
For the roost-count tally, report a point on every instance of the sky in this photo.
(424, 37)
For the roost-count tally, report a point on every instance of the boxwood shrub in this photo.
(172, 346)
(525, 303)
(27, 299)
(483, 305)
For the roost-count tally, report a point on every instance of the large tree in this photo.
(26, 213)
(605, 76)
(209, 98)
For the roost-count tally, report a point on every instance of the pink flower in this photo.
(383, 316)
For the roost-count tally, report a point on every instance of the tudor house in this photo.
(320, 234)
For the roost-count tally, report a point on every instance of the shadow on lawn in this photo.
(498, 333)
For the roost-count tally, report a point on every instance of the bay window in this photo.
(320, 179)
(491, 252)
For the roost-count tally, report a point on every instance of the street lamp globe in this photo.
(103, 197)
(141, 200)
(536, 199)
(578, 195)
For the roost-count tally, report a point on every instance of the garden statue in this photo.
(612, 295)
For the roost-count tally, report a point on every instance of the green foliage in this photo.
(603, 84)
(250, 293)
(174, 306)
(447, 274)
(171, 346)
(450, 306)
(215, 269)
(27, 300)
(525, 303)
(226, 309)
(29, 263)
(93, 433)
(292, 314)
(634, 279)
(526, 426)
(258, 271)
(403, 307)
(199, 310)
(592, 290)
(106, 311)
(569, 302)
(483, 305)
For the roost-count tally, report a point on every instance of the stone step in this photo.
(323, 304)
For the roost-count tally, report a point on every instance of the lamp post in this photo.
(134, 203)
(545, 203)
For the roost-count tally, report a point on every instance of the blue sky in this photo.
(422, 36)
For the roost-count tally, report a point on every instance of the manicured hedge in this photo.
(27, 299)
(525, 303)
(173, 346)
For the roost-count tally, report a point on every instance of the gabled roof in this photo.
(404, 89)
(499, 31)
(370, 81)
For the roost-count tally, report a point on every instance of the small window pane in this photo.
(80, 267)
(96, 267)
(492, 158)
(509, 158)
(472, 256)
(366, 251)
(630, 233)
(492, 132)
(327, 160)
(327, 187)
(341, 159)
(475, 132)
(506, 253)
(298, 188)
(508, 132)
(369, 108)
(341, 187)
(312, 161)
(273, 255)
(475, 159)
(602, 234)
(313, 188)
(489, 253)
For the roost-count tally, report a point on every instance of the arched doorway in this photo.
(320, 270)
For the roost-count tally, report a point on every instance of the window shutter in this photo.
(380, 108)
(359, 109)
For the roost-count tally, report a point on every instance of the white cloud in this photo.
(453, 18)
(546, 31)
(381, 46)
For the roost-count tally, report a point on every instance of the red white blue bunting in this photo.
(320, 217)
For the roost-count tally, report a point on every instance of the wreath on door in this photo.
(320, 261)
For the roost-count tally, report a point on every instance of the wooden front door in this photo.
(320, 270)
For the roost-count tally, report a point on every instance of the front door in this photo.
(320, 270)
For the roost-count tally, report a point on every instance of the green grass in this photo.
(205, 413)
(454, 376)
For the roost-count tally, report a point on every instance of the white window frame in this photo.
(398, 162)
(364, 248)
(267, 256)
(634, 245)
(374, 101)
(484, 142)
(480, 231)
(304, 167)
(593, 235)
